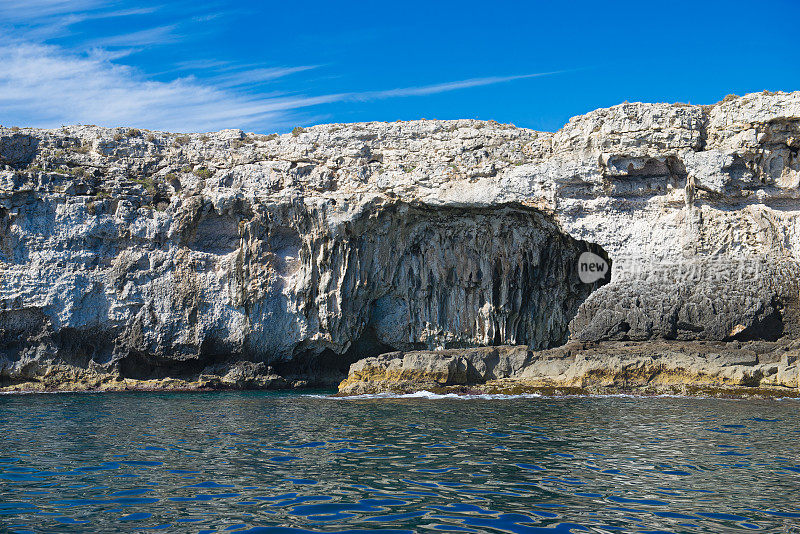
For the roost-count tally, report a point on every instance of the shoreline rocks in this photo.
(69, 378)
(645, 368)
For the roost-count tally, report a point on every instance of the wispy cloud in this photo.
(83, 78)
(44, 85)
(46, 20)
(159, 35)
(32, 10)
(256, 76)
(424, 90)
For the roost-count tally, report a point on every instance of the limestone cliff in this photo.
(134, 255)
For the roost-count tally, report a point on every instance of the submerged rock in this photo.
(149, 256)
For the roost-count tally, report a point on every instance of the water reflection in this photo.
(261, 462)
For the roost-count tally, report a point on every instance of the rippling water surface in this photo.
(262, 462)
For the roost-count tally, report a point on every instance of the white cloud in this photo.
(50, 19)
(33, 12)
(424, 90)
(28, 10)
(159, 35)
(254, 76)
(46, 86)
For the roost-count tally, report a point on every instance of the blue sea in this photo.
(293, 463)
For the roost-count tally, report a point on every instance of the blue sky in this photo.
(270, 66)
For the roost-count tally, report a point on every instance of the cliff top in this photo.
(740, 150)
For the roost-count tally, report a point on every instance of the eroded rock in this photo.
(152, 256)
(655, 367)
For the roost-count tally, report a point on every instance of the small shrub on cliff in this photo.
(297, 130)
(82, 148)
(133, 132)
(15, 128)
(202, 173)
(182, 140)
(148, 183)
(151, 138)
(238, 143)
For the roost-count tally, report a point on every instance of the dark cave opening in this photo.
(328, 367)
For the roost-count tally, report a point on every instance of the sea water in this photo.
(288, 462)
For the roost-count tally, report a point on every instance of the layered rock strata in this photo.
(658, 367)
(134, 257)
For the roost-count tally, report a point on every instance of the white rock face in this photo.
(143, 249)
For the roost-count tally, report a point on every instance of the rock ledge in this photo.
(655, 367)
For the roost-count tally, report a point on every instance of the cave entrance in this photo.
(328, 368)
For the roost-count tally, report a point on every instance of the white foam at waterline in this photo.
(435, 396)
(428, 395)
